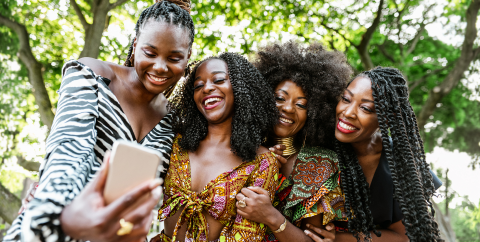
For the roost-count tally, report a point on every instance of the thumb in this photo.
(259, 190)
(101, 178)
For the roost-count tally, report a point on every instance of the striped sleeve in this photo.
(70, 159)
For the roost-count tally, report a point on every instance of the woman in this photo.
(385, 178)
(307, 82)
(224, 114)
(100, 102)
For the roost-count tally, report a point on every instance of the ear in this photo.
(134, 45)
(189, 53)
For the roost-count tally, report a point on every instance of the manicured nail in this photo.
(271, 149)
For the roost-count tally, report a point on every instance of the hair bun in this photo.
(183, 4)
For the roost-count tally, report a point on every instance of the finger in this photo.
(240, 196)
(276, 151)
(101, 178)
(125, 201)
(281, 159)
(330, 226)
(322, 232)
(313, 236)
(281, 147)
(249, 193)
(258, 190)
(242, 213)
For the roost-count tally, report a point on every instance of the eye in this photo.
(302, 106)
(175, 59)
(277, 98)
(367, 109)
(345, 99)
(197, 85)
(148, 54)
(219, 81)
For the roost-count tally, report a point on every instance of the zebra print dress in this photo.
(89, 119)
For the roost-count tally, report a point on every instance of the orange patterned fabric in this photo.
(217, 198)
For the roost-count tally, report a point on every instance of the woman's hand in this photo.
(259, 207)
(278, 150)
(328, 233)
(88, 218)
(29, 197)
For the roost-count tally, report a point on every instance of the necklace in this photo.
(290, 148)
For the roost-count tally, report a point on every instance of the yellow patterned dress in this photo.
(313, 188)
(217, 198)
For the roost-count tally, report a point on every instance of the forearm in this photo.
(291, 232)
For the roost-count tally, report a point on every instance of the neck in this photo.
(220, 133)
(370, 146)
(288, 142)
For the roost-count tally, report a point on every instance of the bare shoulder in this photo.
(262, 149)
(102, 68)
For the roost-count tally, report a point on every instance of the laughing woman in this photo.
(307, 82)
(225, 112)
(387, 182)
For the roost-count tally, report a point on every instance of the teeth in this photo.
(213, 99)
(157, 79)
(346, 126)
(286, 120)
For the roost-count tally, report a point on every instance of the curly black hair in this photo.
(175, 12)
(255, 112)
(323, 76)
(413, 185)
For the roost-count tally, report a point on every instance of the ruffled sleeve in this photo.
(70, 159)
(316, 189)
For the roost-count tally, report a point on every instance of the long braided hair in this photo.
(255, 112)
(413, 186)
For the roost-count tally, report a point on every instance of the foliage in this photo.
(465, 220)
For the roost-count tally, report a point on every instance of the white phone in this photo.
(130, 165)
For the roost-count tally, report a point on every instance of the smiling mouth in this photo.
(157, 80)
(346, 128)
(286, 120)
(212, 102)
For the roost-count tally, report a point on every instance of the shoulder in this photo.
(261, 150)
(102, 68)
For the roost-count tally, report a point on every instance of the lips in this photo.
(346, 127)
(157, 80)
(211, 102)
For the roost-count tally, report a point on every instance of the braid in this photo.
(176, 12)
(413, 186)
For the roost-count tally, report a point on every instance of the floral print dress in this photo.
(218, 197)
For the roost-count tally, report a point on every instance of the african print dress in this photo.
(217, 198)
(313, 188)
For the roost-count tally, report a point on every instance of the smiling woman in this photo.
(99, 103)
(225, 112)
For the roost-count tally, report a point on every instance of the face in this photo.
(356, 117)
(292, 105)
(161, 53)
(213, 91)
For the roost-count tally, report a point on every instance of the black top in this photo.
(384, 208)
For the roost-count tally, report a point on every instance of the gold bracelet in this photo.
(282, 227)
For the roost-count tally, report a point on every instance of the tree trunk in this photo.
(9, 205)
(94, 32)
(461, 65)
(365, 42)
(35, 75)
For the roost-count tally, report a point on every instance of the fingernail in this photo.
(308, 225)
(155, 183)
(271, 149)
(306, 231)
(157, 192)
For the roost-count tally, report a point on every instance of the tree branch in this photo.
(385, 53)
(80, 15)
(27, 165)
(420, 30)
(9, 205)
(363, 46)
(116, 4)
(467, 55)
(324, 24)
(424, 77)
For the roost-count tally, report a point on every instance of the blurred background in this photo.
(433, 42)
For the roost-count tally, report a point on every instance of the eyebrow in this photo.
(153, 47)
(289, 94)
(363, 99)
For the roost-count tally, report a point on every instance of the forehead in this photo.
(361, 86)
(164, 34)
(213, 65)
(291, 87)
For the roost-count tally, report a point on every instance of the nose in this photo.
(350, 111)
(287, 107)
(160, 66)
(209, 87)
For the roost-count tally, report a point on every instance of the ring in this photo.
(125, 227)
(242, 203)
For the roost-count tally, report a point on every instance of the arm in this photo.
(260, 209)
(394, 233)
